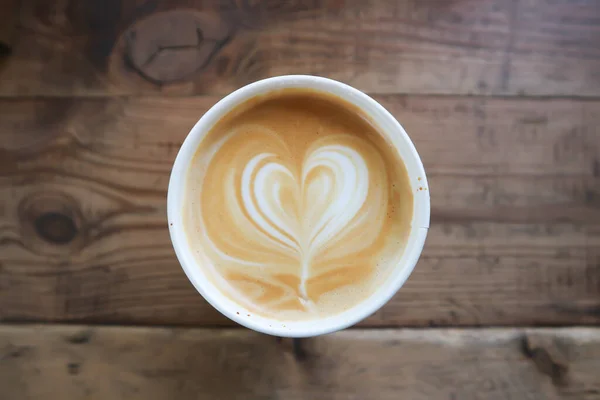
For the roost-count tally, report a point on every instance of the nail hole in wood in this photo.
(73, 368)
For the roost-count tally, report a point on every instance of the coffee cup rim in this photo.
(394, 132)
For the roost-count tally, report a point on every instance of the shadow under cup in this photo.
(394, 134)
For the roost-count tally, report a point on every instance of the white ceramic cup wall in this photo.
(388, 126)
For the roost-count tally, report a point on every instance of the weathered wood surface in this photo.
(89, 47)
(514, 239)
(47, 363)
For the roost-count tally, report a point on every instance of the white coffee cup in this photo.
(388, 126)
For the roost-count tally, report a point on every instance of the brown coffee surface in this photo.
(296, 206)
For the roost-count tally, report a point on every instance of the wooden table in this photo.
(502, 100)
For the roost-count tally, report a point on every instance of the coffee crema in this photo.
(296, 206)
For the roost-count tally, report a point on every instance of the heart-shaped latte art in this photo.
(289, 228)
(331, 189)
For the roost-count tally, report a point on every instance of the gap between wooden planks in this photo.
(514, 47)
(71, 362)
(514, 236)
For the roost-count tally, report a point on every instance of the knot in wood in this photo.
(171, 46)
(51, 222)
(55, 228)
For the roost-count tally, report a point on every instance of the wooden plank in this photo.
(525, 47)
(515, 234)
(57, 362)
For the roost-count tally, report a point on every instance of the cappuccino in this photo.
(296, 206)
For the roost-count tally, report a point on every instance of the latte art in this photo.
(307, 219)
(294, 209)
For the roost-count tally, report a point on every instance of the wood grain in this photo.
(515, 232)
(122, 47)
(49, 362)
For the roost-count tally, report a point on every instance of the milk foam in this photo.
(287, 213)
